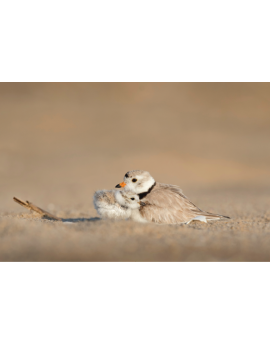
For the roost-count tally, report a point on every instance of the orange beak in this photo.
(121, 185)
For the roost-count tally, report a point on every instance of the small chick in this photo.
(132, 202)
(107, 207)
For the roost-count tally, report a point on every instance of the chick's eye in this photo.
(132, 198)
(134, 180)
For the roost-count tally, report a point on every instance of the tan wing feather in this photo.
(167, 204)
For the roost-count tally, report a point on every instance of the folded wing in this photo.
(167, 204)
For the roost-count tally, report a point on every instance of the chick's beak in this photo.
(120, 185)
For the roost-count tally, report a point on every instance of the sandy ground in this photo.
(61, 142)
(246, 237)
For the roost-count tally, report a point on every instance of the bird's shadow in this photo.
(74, 220)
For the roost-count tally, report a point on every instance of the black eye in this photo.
(134, 180)
(132, 198)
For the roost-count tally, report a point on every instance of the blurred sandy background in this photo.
(59, 142)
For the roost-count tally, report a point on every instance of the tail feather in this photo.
(212, 216)
(207, 216)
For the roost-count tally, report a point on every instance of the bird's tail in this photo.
(207, 216)
(212, 216)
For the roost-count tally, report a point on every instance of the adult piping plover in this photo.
(107, 207)
(163, 203)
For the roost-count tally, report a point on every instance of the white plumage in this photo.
(132, 202)
(107, 207)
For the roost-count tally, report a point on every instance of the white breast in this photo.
(113, 212)
(136, 216)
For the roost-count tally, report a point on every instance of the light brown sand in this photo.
(244, 238)
(61, 142)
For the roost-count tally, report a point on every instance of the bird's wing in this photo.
(167, 204)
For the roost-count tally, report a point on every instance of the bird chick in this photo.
(107, 207)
